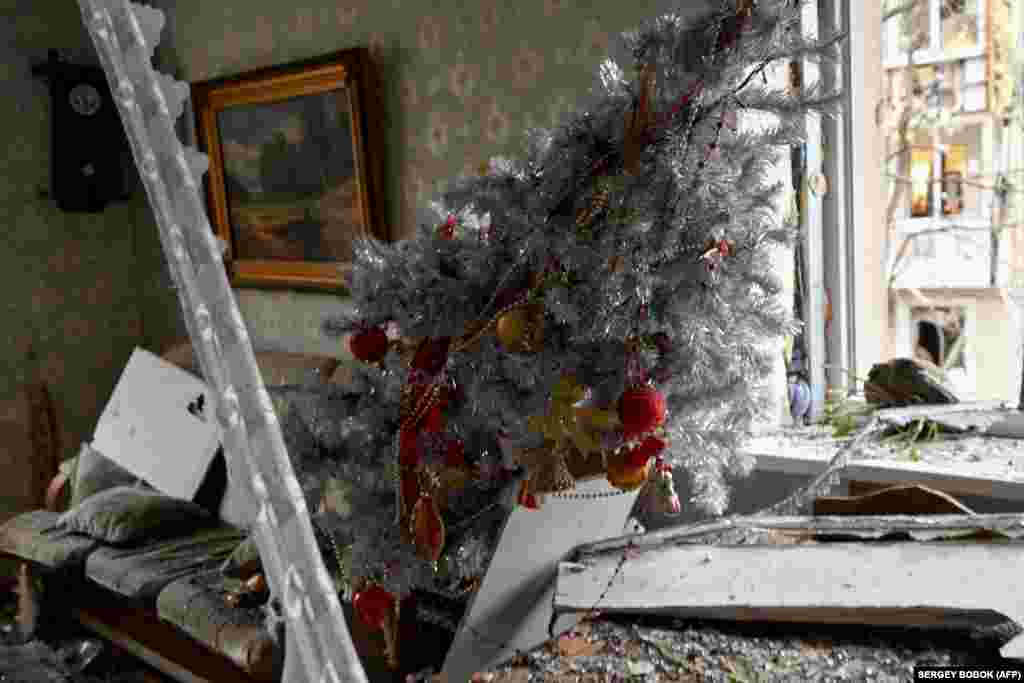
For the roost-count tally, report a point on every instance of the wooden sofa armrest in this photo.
(56, 493)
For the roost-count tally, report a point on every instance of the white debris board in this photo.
(860, 581)
(160, 425)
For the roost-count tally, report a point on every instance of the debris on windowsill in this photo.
(905, 381)
(770, 569)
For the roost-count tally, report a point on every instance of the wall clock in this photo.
(88, 147)
(85, 99)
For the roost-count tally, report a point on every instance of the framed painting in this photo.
(295, 168)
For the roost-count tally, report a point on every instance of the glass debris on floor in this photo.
(662, 649)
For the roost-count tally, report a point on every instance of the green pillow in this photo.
(244, 561)
(127, 514)
(94, 472)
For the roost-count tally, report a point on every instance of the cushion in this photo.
(195, 604)
(34, 536)
(94, 472)
(127, 514)
(141, 572)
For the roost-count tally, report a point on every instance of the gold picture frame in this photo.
(295, 168)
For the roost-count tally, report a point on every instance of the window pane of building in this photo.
(959, 19)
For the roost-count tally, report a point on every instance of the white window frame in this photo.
(934, 53)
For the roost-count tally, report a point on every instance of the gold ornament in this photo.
(427, 528)
(626, 477)
(585, 215)
(569, 425)
(639, 120)
(390, 628)
(521, 330)
(552, 475)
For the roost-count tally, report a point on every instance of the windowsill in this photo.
(924, 57)
(966, 219)
(913, 294)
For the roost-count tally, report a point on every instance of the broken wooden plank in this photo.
(868, 583)
(910, 499)
(922, 528)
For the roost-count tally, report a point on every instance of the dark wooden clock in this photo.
(88, 146)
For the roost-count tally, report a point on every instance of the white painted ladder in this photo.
(318, 646)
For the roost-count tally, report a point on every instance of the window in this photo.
(939, 338)
(921, 163)
(960, 21)
(933, 30)
(945, 174)
(954, 167)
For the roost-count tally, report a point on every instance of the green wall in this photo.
(463, 80)
(81, 290)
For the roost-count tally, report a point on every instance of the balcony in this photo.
(950, 252)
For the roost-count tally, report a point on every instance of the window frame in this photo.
(934, 53)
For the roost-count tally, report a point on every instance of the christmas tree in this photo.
(598, 307)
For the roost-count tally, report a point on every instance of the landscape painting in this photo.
(294, 172)
(290, 178)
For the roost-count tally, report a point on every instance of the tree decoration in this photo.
(521, 330)
(369, 345)
(373, 605)
(567, 424)
(612, 227)
(431, 355)
(647, 449)
(427, 528)
(627, 477)
(639, 121)
(642, 409)
(446, 230)
(660, 495)
(527, 498)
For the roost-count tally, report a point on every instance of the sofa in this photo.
(165, 600)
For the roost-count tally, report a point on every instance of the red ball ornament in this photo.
(373, 605)
(641, 410)
(446, 230)
(648, 448)
(369, 345)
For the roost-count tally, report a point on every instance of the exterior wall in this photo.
(992, 341)
(870, 260)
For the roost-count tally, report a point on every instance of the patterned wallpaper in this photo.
(464, 80)
(80, 290)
